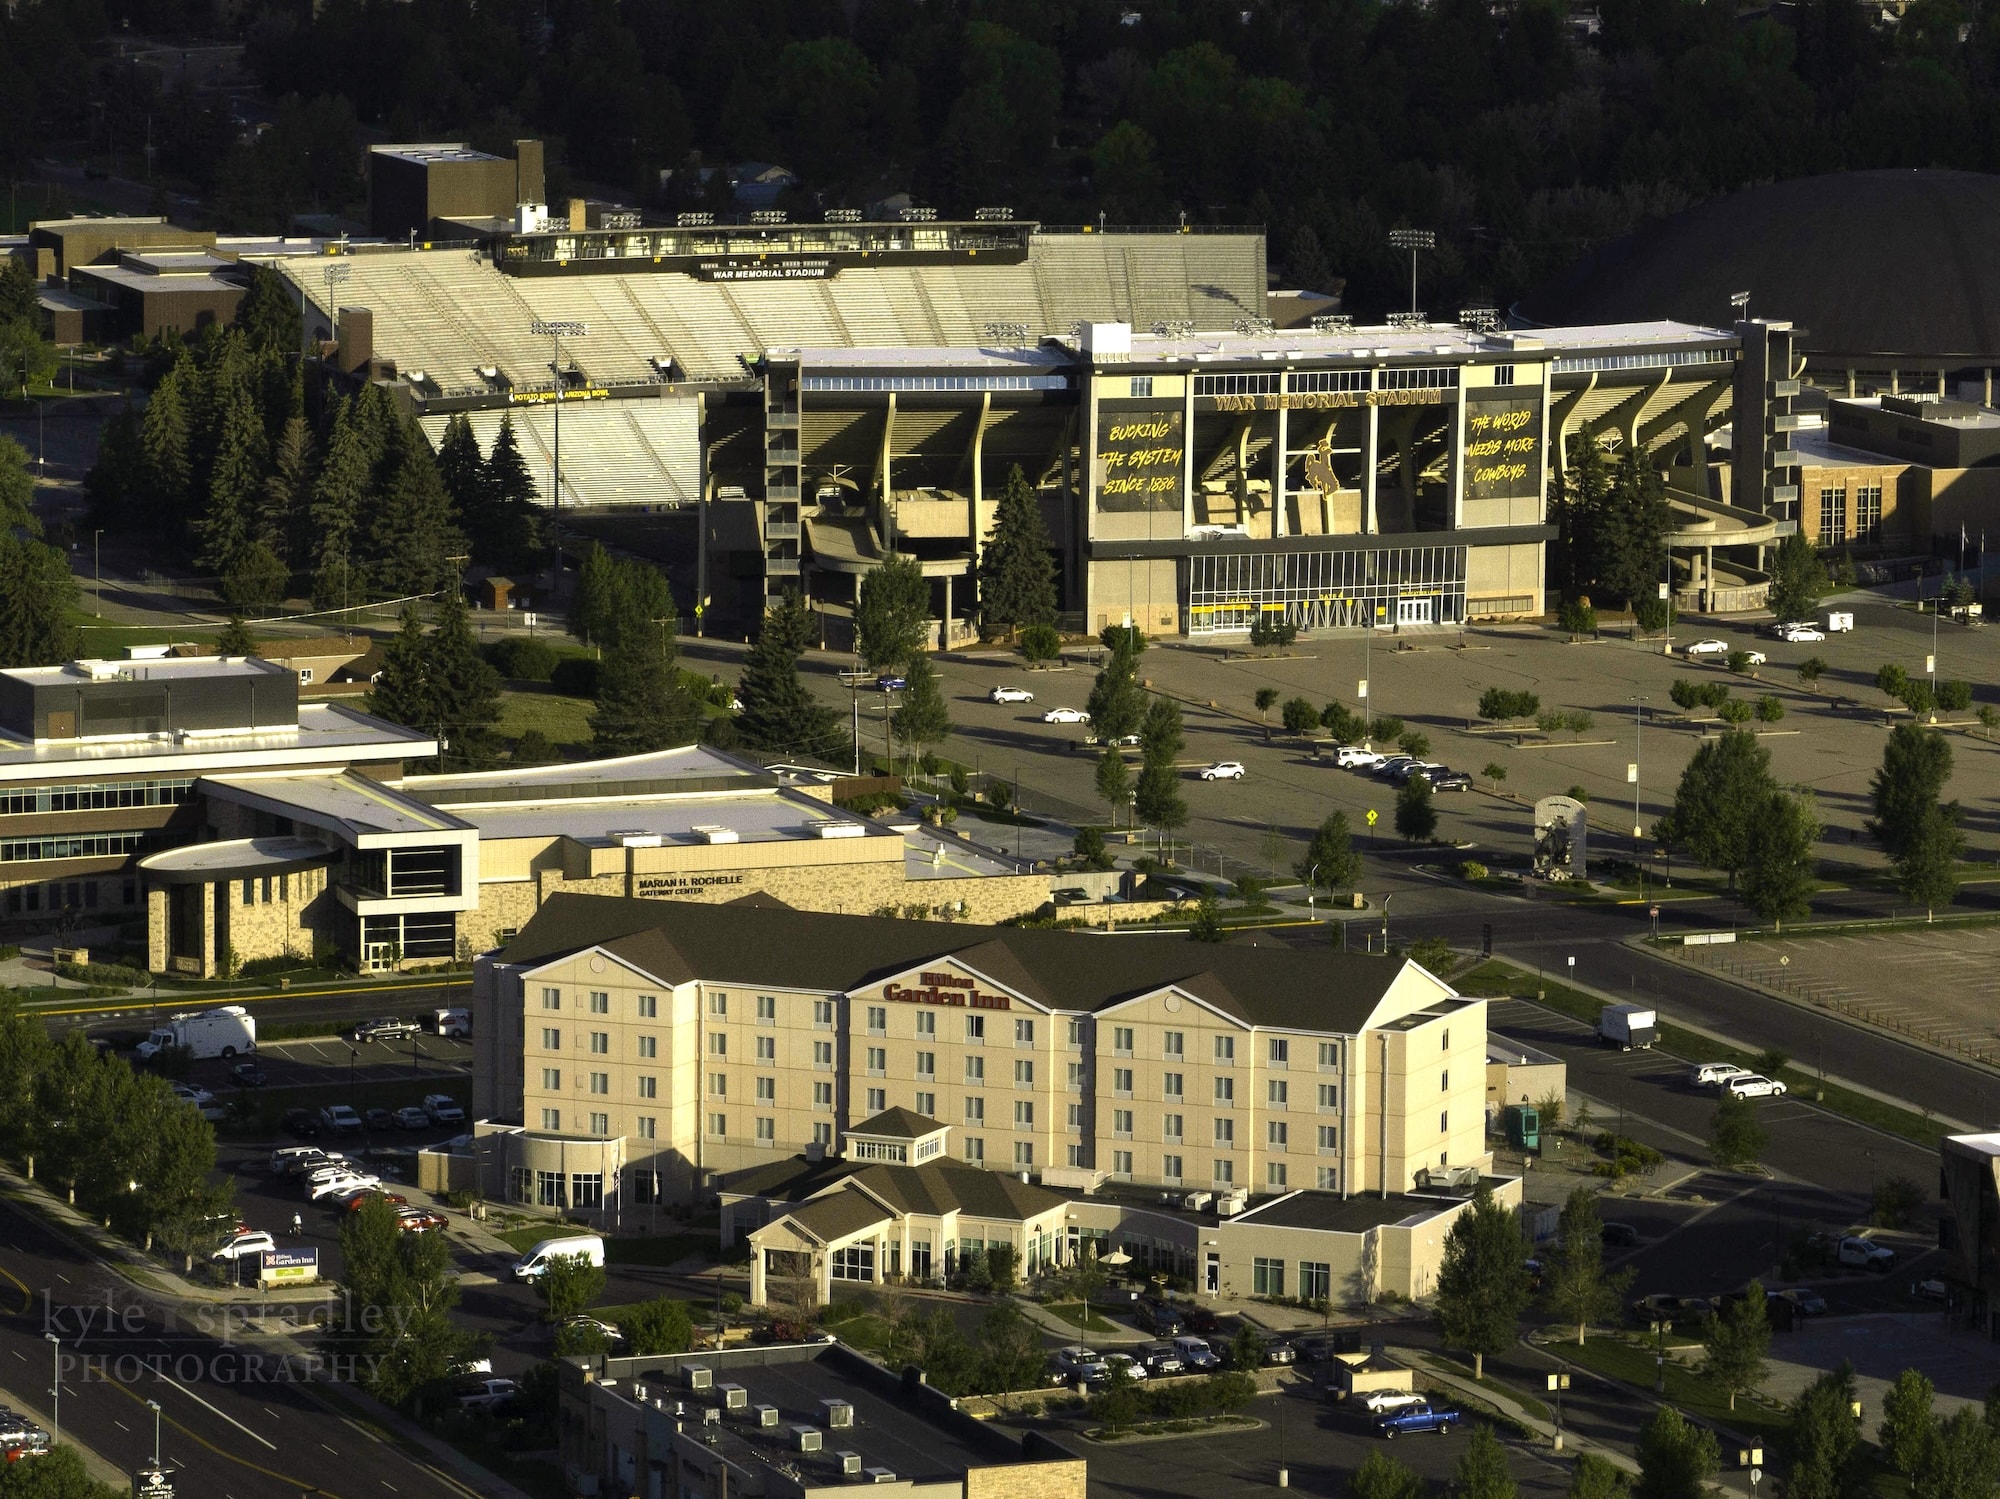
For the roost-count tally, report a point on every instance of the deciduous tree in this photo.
(1737, 1341)
(1575, 1285)
(893, 615)
(1676, 1459)
(1778, 875)
(921, 718)
(1482, 1287)
(1715, 805)
(1916, 764)
(1822, 1440)
(1330, 862)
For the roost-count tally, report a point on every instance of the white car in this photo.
(488, 1394)
(1756, 658)
(1715, 1074)
(1065, 715)
(1010, 695)
(239, 1245)
(1753, 1085)
(1113, 1362)
(609, 1331)
(1708, 648)
(339, 1185)
(443, 1109)
(1800, 632)
(1223, 770)
(199, 1097)
(1381, 1402)
(1076, 1363)
(1354, 757)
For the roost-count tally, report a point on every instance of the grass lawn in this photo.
(1527, 1402)
(527, 1238)
(1071, 1312)
(1633, 1365)
(867, 1332)
(1494, 978)
(667, 1249)
(565, 720)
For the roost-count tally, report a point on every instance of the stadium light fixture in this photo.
(1740, 300)
(919, 215)
(693, 220)
(1007, 335)
(1412, 319)
(1255, 327)
(557, 329)
(1479, 319)
(1333, 322)
(768, 216)
(1413, 240)
(1174, 328)
(993, 215)
(843, 215)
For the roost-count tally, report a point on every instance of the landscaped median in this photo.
(1632, 1359)
(1495, 979)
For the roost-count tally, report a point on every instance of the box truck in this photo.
(210, 1033)
(1627, 1026)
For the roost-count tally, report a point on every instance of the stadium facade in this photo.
(825, 395)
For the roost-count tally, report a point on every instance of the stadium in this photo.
(823, 396)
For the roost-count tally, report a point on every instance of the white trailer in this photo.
(1628, 1027)
(1839, 621)
(209, 1033)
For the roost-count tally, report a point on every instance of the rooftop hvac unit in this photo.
(828, 828)
(699, 1377)
(636, 838)
(1233, 1203)
(764, 1416)
(836, 1413)
(850, 1464)
(710, 1416)
(1194, 1202)
(734, 1397)
(878, 1475)
(805, 1439)
(715, 832)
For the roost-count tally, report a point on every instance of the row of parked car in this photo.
(343, 1119)
(1399, 770)
(1738, 1082)
(330, 1177)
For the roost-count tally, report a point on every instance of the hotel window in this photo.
(975, 1150)
(600, 1002)
(767, 1129)
(1121, 1081)
(878, 1061)
(1277, 1093)
(1170, 1126)
(1267, 1277)
(718, 1084)
(552, 999)
(1024, 1033)
(1444, 1122)
(1281, 1051)
(718, 1125)
(1444, 1039)
(926, 1064)
(927, 1105)
(767, 1048)
(1329, 1178)
(1076, 1116)
(975, 1069)
(926, 1022)
(878, 1100)
(1274, 1175)
(822, 1095)
(1024, 1113)
(878, 1020)
(648, 1127)
(552, 1119)
(767, 1090)
(1121, 1163)
(1121, 1123)
(1170, 1167)
(975, 1110)
(649, 1046)
(1173, 1044)
(551, 1039)
(1225, 1090)
(767, 1007)
(600, 1083)
(1121, 1040)
(1075, 1034)
(1225, 1131)
(1315, 1280)
(1225, 1173)
(1329, 1137)
(600, 1124)
(1444, 1078)
(600, 1043)
(1075, 1076)
(718, 1003)
(822, 1134)
(1277, 1133)
(1832, 517)
(718, 1044)
(975, 1030)
(649, 1007)
(1225, 1051)
(1170, 1084)
(822, 1053)
(1868, 513)
(1024, 1074)
(1024, 1152)
(1074, 1154)
(1329, 1095)
(1329, 1054)
(552, 1080)
(823, 1014)
(649, 1087)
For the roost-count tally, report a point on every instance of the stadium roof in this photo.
(1870, 265)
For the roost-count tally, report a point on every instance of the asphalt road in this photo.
(234, 1421)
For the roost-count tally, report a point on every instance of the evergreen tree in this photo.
(1581, 505)
(510, 524)
(1575, 1286)
(269, 315)
(1482, 1288)
(412, 535)
(236, 478)
(17, 490)
(463, 471)
(1017, 567)
(1798, 578)
(1822, 1441)
(1330, 862)
(779, 714)
(403, 692)
(235, 639)
(596, 603)
(641, 703)
(1778, 874)
(117, 480)
(1481, 1471)
(1114, 781)
(1916, 764)
(166, 440)
(464, 688)
(1116, 702)
(921, 719)
(340, 495)
(1738, 1341)
(35, 580)
(1676, 1460)
(1160, 804)
(1927, 871)
(893, 615)
(1725, 783)
(1633, 536)
(20, 298)
(255, 578)
(1416, 810)
(284, 521)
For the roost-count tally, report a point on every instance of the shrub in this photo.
(1472, 869)
(1041, 643)
(104, 973)
(522, 658)
(1578, 793)
(1089, 847)
(1342, 722)
(1300, 717)
(1686, 696)
(1389, 729)
(1624, 1154)
(1413, 743)
(1712, 694)
(1270, 629)
(1954, 697)
(1890, 680)
(1918, 697)
(1734, 711)
(1770, 708)
(1494, 772)
(999, 794)
(1811, 670)
(1578, 617)
(575, 676)
(1549, 722)
(1737, 660)
(1578, 723)
(1498, 703)
(1130, 636)
(1652, 615)
(1897, 1201)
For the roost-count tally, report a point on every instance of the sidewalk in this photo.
(1413, 1358)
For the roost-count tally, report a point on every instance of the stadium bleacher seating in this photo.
(614, 453)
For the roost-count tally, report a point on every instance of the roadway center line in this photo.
(224, 1414)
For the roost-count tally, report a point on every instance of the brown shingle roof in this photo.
(897, 1123)
(838, 1214)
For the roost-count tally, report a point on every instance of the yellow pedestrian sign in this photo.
(1372, 814)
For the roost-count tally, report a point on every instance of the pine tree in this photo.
(1116, 702)
(341, 492)
(596, 604)
(464, 689)
(117, 481)
(1017, 568)
(463, 471)
(284, 520)
(35, 626)
(921, 719)
(411, 536)
(893, 614)
(1160, 803)
(779, 714)
(236, 476)
(403, 692)
(510, 526)
(166, 440)
(1580, 509)
(17, 490)
(235, 639)
(641, 705)
(269, 315)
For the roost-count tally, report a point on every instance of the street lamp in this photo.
(97, 570)
(154, 1406)
(55, 1388)
(1557, 1384)
(1660, 1357)
(1385, 921)
(1638, 744)
(557, 330)
(1312, 886)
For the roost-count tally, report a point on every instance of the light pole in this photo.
(1312, 887)
(1385, 921)
(55, 1389)
(1638, 745)
(154, 1406)
(97, 570)
(1413, 240)
(1557, 1384)
(556, 331)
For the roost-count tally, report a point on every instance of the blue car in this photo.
(1409, 1418)
(891, 683)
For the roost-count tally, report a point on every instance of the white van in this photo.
(456, 1024)
(533, 1264)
